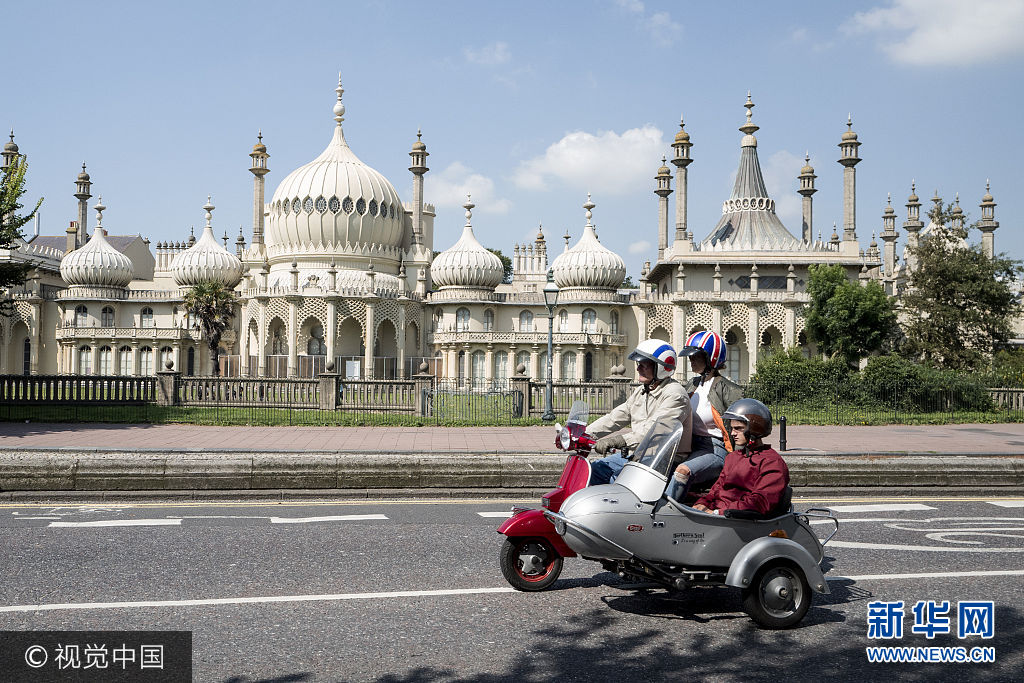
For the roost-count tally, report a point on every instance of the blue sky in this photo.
(528, 105)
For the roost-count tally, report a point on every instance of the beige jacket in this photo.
(643, 408)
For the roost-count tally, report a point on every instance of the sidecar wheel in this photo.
(530, 564)
(778, 597)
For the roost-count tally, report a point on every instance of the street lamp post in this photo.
(550, 300)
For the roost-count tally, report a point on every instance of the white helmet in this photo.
(661, 352)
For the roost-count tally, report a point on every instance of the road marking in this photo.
(1007, 503)
(504, 515)
(920, 548)
(255, 600)
(926, 575)
(330, 518)
(119, 522)
(904, 520)
(890, 507)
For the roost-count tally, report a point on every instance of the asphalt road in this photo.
(411, 591)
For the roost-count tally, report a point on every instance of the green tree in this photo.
(506, 262)
(12, 187)
(847, 320)
(959, 303)
(627, 283)
(212, 304)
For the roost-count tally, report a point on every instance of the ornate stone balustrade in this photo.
(128, 333)
(527, 338)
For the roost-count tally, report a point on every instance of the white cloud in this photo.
(604, 163)
(448, 188)
(780, 171)
(489, 55)
(659, 25)
(641, 247)
(943, 32)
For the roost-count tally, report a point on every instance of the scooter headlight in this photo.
(565, 438)
(560, 527)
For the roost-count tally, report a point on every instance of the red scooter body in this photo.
(531, 557)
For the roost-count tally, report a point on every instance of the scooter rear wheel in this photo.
(530, 564)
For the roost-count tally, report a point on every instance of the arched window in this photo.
(146, 317)
(542, 368)
(85, 360)
(166, 354)
(478, 358)
(81, 316)
(316, 346)
(588, 367)
(107, 317)
(590, 321)
(26, 357)
(278, 345)
(124, 360)
(563, 320)
(438, 321)
(569, 366)
(613, 322)
(106, 360)
(501, 365)
(462, 320)
(145, 361)
(488, 321)
(526, 321)
(191, 361)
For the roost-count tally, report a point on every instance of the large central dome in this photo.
(334, 201)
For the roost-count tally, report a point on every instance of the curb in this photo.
(95, 469)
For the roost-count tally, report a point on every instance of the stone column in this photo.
(95, 357)
(753, 340)
(261, 339)
(75, 358)
(489, 364)
(293, 337)
(790, 339)
(331, 330)
(401, 341)
(368, 337)
(243, 347)
(135, 358)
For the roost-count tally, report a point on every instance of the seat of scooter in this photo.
(784, 506)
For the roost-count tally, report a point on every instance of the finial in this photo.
(749, 127)
(566, 237)
(99, 212)
(259, 136)
(12, 135)
(913, 186)
(225, 239)
(807, 157)
(419, 133)
(209, 207)
(192, 230)
(339, 108)
(589, 207)
(83, 163)
(468, 206)
(663, 159)
(986, 183)
(849, 121)
(889, 198)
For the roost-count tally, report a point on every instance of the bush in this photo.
(786, 376)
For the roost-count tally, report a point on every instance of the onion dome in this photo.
(206, 260)
(682, 135)
(807, 169)
(589, 263)
(467, 263)
(259, 147)
(988, 198)
(83, 176)
(97, 263)
(849, 135)
(957, 211)
(12, 146)
(419, 145)
(889, 211)
(335, 199)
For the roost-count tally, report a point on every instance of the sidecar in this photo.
(632, 528)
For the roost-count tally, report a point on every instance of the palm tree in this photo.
(212, 305)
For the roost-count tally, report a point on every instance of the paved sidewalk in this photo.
(969, 438)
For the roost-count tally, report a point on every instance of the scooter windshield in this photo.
(658, 447)
(578, 414)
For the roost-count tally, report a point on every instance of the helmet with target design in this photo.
(661, 352)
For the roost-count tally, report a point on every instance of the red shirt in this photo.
(751, 481)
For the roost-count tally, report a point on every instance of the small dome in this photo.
(259, 147)
(11, 146)
(206, 261)
(467, 263)
(849, 135)
(83, 176)
(589, 263)
(419, 146)
(807, 169)
(97, 264)
(682, 135)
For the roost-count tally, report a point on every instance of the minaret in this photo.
(957, 217)
(10, 152)
(82, 193)
(889, 236)
(258, 169)
(663, 190)
(849, 159)
(988, 223)
(806, 178)
(912, 225)
(239, 243)
(681, 160)
(418, 167)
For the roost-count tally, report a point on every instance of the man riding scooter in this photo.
(659, 396)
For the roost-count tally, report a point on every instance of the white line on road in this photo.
(254, 600)
(920, 548)
(891, 507)
(119, 522)
(927, 575)
(504, 515)
(1007, 503)
(330, 518)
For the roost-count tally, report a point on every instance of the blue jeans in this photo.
(705, 462)
(605, 470)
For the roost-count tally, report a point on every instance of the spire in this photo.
(469, 206)
(566, 237)
(749, 128)
(339, 108)
(589, 206)
(99, 214)
(208, 207)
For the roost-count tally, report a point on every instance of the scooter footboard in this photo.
(585, 540)
(528, 523)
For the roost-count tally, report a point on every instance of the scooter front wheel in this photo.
(530, 564)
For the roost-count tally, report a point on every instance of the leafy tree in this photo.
(628, 283)
(959, 303)
(12, 187)
(847, 320)
(506, 262)
(212, 304)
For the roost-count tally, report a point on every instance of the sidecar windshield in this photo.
(658, 447)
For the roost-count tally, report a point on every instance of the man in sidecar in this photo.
(659, 396)
(754, 476)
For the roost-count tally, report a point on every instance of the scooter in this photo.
(633, 529)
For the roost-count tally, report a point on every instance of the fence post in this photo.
(620, 386)
(520, 385)
(424, 386)
(328, 387)
(167, 385)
